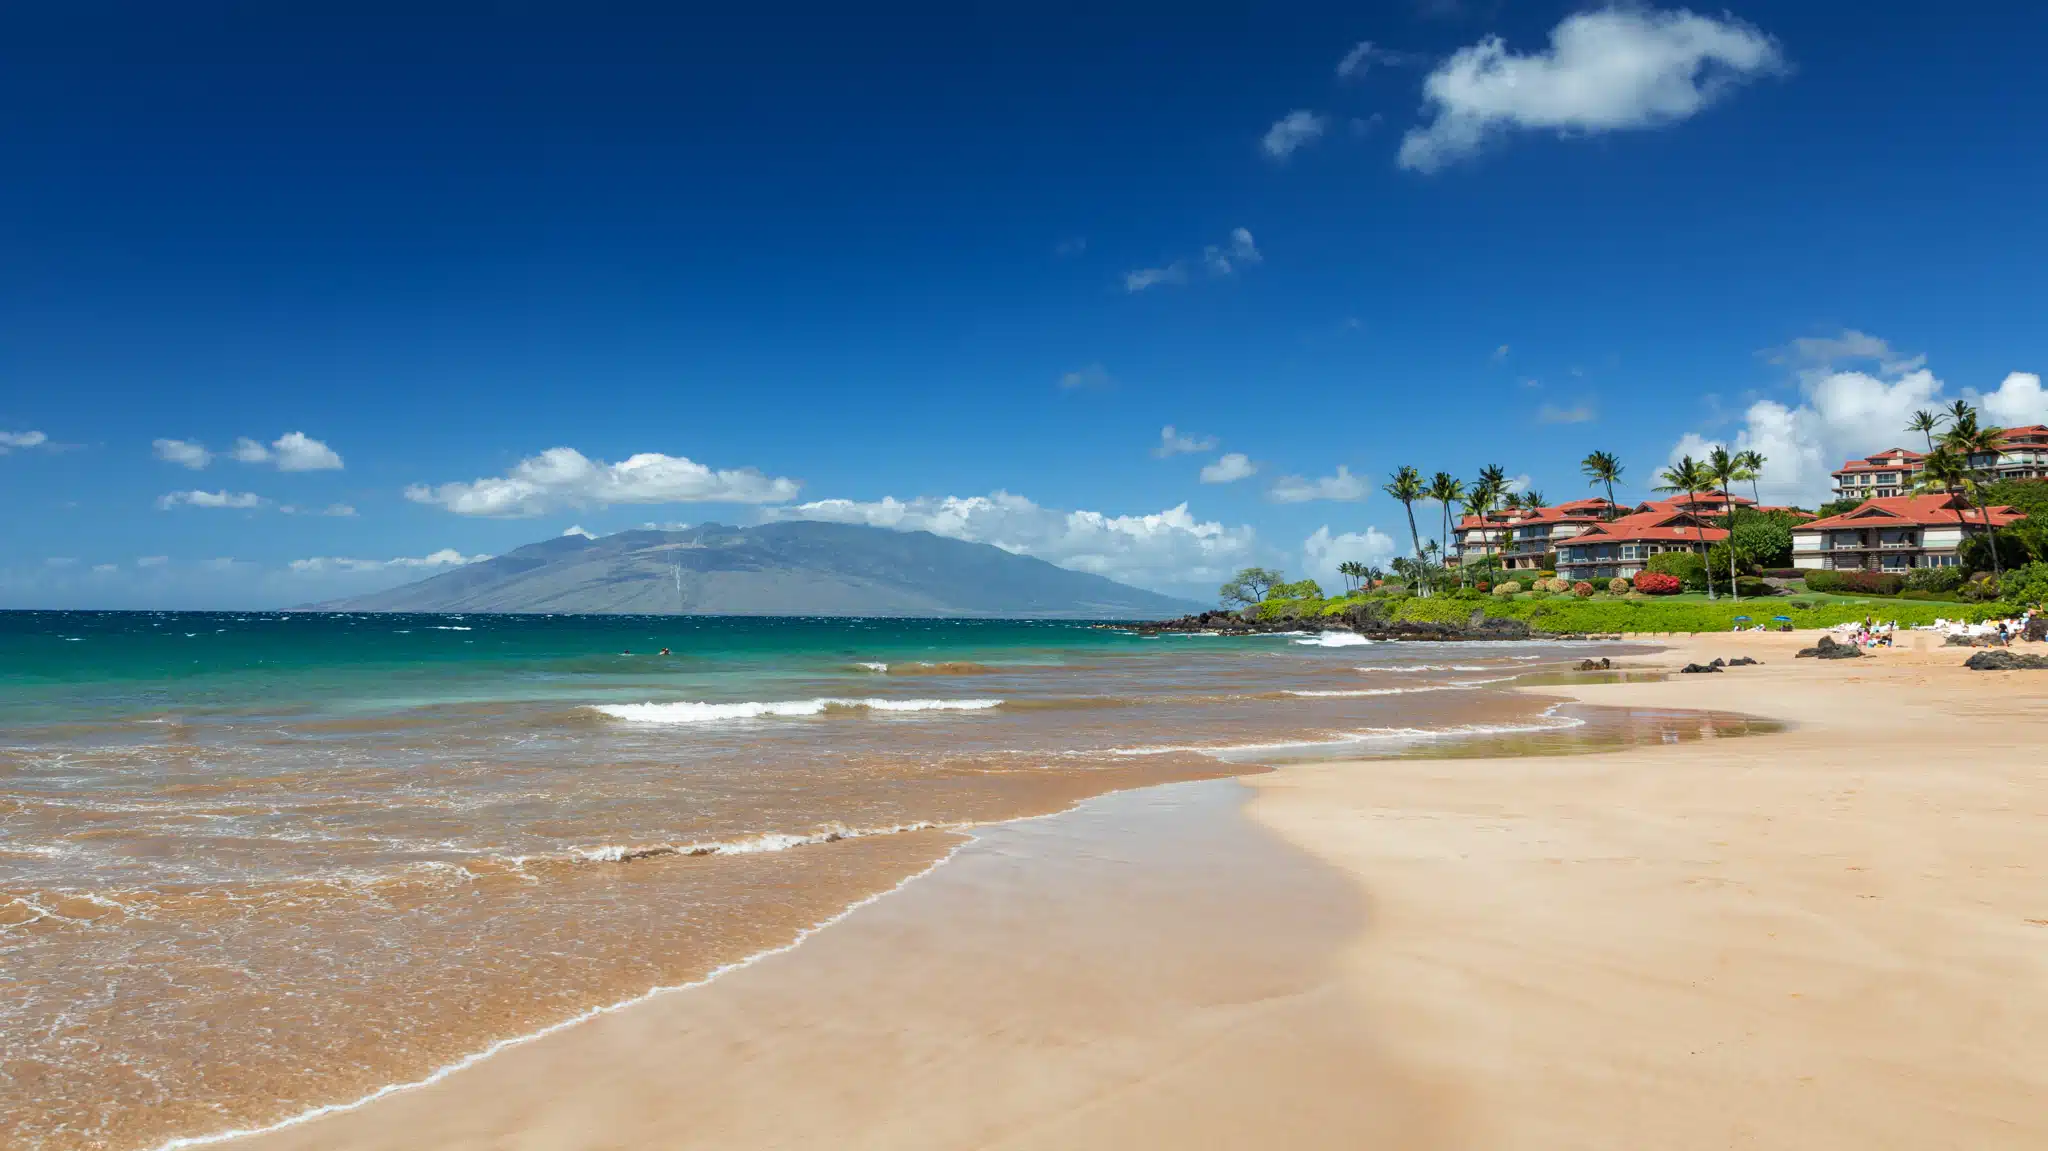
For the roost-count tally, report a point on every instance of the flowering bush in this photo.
(1510, 587)
(1658, 583)
(1559, 586)
(1482, 585)
(1618, 586)
(1582, 589)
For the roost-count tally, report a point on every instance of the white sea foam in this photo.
(754, 845)
(1455, 685)
(446, 627)
(1335, 639)
(1548, 720)
(877, 667)
(687, 712)
(1417, 667)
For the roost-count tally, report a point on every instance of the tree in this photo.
(1603, 468)
(1533, 499)
(1764, 540)
(1927, 423)
(1353, 573)
(1752, 463)
(1250, 585)
(1447, 490)
(1945, 471)
(1491, 486)
(1406, 486)
(1689, 477)
(1968, 439)
(1723, 470)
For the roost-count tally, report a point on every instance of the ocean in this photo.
(253, 864)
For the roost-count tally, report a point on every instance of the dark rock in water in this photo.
(1601, 664)
(1742, 661)
(1827, 648)
(1999, 659)
(1697, 668)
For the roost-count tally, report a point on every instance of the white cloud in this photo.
(446, 557)
(1844, 413)
(1297, 490)
(329, 510)
(1578, 413)
(580, 530)
(1322, 552)
(1229, 468)
(1364, 55)
(248, 451)
(184, 453)
(1224, 260)
(1086, 376)
(151, 561)
(565, 477)
(1294, 130)
(1143, 278)
(1607, 70)
(1168, 547)
(1519, 483)
(105, 569)
(12, 440)
(1220, 260)
(1173, 443)
(299, 452)
(220, 499)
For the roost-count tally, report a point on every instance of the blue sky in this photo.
(928, 267)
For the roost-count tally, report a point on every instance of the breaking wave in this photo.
(689, 712)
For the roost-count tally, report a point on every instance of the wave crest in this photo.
(685, 711)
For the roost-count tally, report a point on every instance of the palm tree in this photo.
(1406, 485)
(1446, 489)
(1967, 439)
(1722, 468)
(1533, 499)
(1353, 573)
(1603, 468)
(1752, 463)
(1689, 477)
(1491, 486)
(1947, 472)
(1927, 423)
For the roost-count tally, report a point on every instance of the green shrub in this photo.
(1934, 579)
(2026, 586)
(1507, 588)
(1856, 582)
(1619, 586)
(1688, 567)
(1763, 539)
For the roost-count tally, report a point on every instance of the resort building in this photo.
(1623, 547)
(1891, 472)
(1894, 534)
(1521, 538)
(2022, 455)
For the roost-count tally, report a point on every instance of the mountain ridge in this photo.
(789, 568)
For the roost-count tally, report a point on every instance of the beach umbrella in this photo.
(1782, 618)
(1742, 619)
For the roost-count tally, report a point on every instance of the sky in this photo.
(299, 301)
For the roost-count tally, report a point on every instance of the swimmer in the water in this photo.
(664, 651)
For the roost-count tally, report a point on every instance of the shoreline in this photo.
(1298, 803)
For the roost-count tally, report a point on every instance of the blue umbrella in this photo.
(1782, 618)
(1742, 619)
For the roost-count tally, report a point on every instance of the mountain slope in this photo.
(794, 568)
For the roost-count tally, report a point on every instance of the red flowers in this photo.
(1657, 583)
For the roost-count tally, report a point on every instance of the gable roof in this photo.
(1936, 510)
(1667, 525)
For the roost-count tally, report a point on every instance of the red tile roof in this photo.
(1662, 525)
(1935, 510)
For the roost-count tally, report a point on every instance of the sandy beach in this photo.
(1836, 936)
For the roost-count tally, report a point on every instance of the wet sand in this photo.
(1835, 936)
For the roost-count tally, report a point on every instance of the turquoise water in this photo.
(254, 862)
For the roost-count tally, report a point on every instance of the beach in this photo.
(1832, 936)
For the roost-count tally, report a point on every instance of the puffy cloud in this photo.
(1086, 376)
(1322, 552)
(184, 453)
(1298, 490)
(291, 452)
(1168, 547)
(1224, 260)
(1143, 278)
(446, 557)
(220, 499)
(1578, 413)
(565, 477)
(1173, 443)
(12, 440)
(1606, 70)
(1296, 129)
(1229, 468)
(586, 533)
(1845, 412)
(105, 569)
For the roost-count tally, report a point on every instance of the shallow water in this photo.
(255, 863)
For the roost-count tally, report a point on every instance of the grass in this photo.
(1603, 613)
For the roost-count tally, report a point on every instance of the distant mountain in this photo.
(793, 568)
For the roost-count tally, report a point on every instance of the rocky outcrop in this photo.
(1827, 648)
(1601, 664)
(2000, 659)
(1699, 668)
(1368, 619)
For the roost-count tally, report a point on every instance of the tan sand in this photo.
(1833, 937)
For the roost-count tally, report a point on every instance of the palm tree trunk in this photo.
(1699, 527)
(1414, 537)
(1734, 588)
(1991, 534)
(1610, 501)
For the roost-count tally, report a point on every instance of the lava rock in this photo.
(1698, 668)
(1827, 648)
(1742, 661)
(1999, 659)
